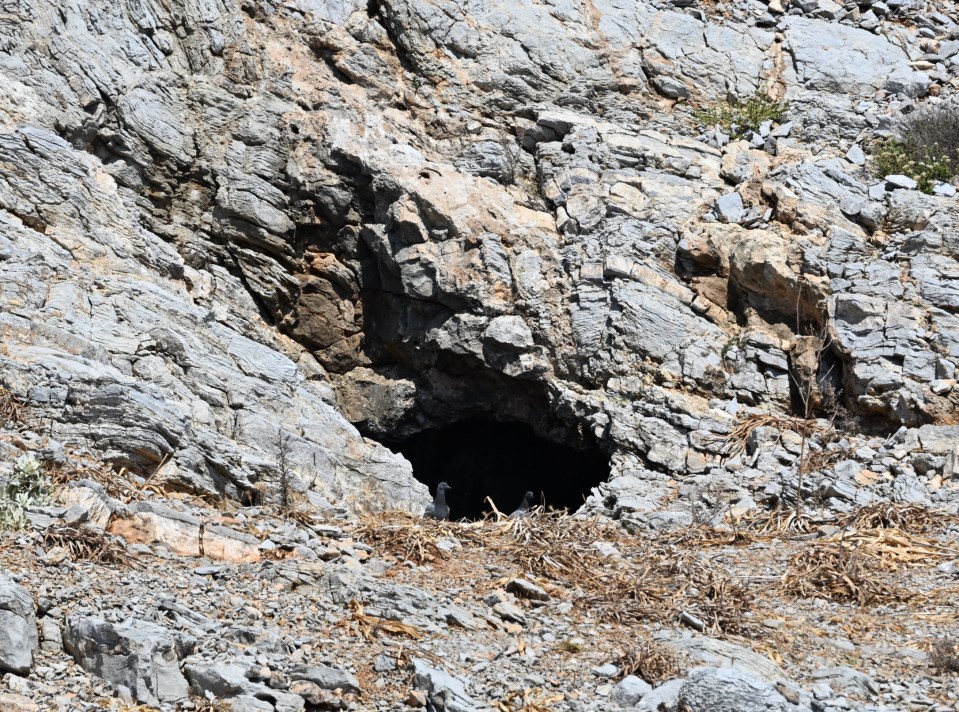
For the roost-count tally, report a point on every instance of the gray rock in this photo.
(444, 692)
(141, 656)
(729, 690)
(19, 641)
(629, 691)
(856, 155)
(229, 682)
(662, 697)
(730, 208)
(895, 182)
(328, 678)
(828, 58)
(509, 331)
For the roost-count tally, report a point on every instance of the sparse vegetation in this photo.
(650, 661)
(210, 704)
(740, 117)
(926, 148)
(944, 655)
(827, 571)
(26, 487)
(11, 408)
(86, 543)
(117, 484)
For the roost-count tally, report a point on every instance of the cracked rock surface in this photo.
(244, 241)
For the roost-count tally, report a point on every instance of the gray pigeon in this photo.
(523, 509)
(438, 508)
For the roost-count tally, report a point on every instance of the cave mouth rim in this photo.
(482, 456)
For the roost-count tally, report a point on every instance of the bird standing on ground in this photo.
(523, 509)
(438, 508)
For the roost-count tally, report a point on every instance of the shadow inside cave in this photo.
(485, 458)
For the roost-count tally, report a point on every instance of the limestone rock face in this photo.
(231, 233)
(19, 640)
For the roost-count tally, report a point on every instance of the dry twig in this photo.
(649, 661)
(826, 571)
(910, 518)
(12, 409)
(86, 543)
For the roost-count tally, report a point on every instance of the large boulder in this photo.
(139, 655)
(847, 60)
(19, 641)
(729, 690)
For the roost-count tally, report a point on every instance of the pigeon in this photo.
(438, 508)
(523, 509)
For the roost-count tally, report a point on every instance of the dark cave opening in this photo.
(502, 460)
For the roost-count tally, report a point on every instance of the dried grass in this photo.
(777, 522)
(944, 655)
(735, 442)
(910, 518)
(204, 704)
(650, 661)
(893, 548)
(86, 543)
(725, 605)
(534, 699)
(824, 459)
(79, 468)
(411, 538)
(707, 536)
(12, 409)
(648, 581)
(827, 570)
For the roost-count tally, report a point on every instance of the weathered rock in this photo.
(328, 678)
(141, 656)
(444, 692)
(19, 641)
(729, 690)
(629, 691)
(828, 57)
(229, 682)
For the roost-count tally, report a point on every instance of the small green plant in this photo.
(894, 157)
(740, 117)
(26, 487)
(926, 148)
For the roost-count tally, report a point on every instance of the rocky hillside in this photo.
(250, 252)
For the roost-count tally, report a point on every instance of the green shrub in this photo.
(26, 487)
(740, 117)
(926, 148)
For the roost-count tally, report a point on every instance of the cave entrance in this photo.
(481, 458)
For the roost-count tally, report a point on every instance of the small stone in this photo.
(692, 621)
(856, 155)
(527, 589)
(416, 698)
(629, 691)
(607, 670)
(897, 182)
(384, 663)
(729, 207)
(76, 515)
(510, 612)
